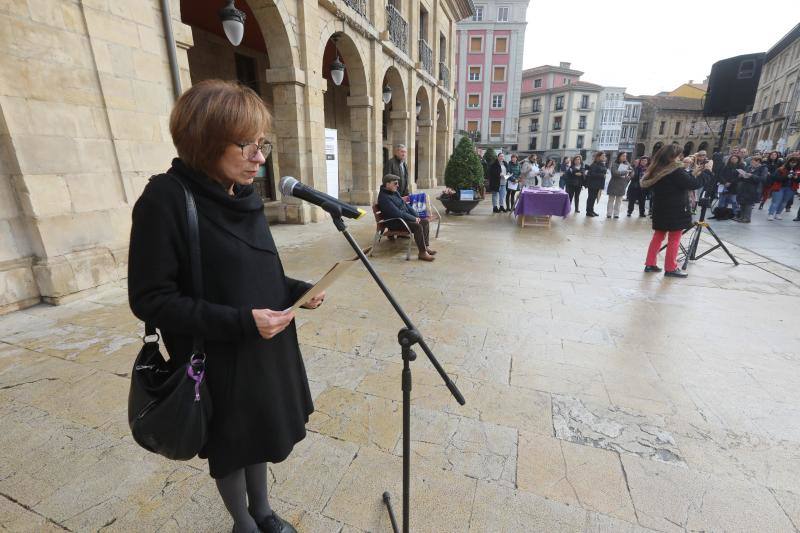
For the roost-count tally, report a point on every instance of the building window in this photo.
(246, 71)
(473, 101)
(478, 16)
(534, 125)
(559, 103)
(501, 45)
(644, 128)
(557, 123)
(582, 122)
(502, 14)
(555, 142)
(536, 105)
(565, 81)
(532, 144)
(476, 44)
(579, 142)
(537, 83)
(499, 74)
(496, 128)
(497, 101)
(472, 126)
(661, 127)
(624, 132)
(475, 73)
(677, 128)
(584, 101)
(632, 132)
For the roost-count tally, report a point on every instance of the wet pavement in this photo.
(598, 398)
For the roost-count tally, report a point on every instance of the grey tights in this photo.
(248, 483)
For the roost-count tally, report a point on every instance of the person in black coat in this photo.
(729, 178)
(395, 211)
(635, 192)
(498, 173)
(254, 370)
(595, 181)
(748, 192)
(671, 210)
(575, 175)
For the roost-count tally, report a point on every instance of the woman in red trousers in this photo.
(670, 185)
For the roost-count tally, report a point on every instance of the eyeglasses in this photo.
(250, 150)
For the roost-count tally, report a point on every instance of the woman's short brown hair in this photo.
(213, 114)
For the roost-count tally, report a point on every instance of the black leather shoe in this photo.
(495, 210)
(275, 524)
(652, 268)
(677, 273)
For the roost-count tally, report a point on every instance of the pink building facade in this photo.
(489, 70)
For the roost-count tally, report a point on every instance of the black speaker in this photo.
(732, 85)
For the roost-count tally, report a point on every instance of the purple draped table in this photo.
(542, 203)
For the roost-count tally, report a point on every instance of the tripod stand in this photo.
(697, 228)
(407, 337)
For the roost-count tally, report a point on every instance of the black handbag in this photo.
(169, 407)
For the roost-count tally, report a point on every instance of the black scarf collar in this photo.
(241, 215)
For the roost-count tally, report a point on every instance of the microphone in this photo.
(292, 187)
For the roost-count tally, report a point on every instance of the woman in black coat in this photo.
(729, 178)
(671, 210)
(635, 192)
(748, 193)
(595, 181)
(575, 176)
(256, 377)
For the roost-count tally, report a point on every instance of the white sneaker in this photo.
(778, 217)
(771, 217)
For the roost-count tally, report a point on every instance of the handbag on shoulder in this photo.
(169, 406)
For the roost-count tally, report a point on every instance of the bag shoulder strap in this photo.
(198, 344)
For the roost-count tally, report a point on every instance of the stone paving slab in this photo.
(599, 399)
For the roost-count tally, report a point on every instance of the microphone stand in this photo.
(407, 337)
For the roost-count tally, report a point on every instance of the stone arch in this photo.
(657, 147)
(423, 154)
(640, 149)
(274, 19)
(441, 140)
(348, 110)
(703, 146)
(395, 114)
(687, 148)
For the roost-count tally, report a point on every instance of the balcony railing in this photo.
(359, 6)
(536, 109)
(444, 75)
(764, 114)
(779, 109)
(397, 28)
(559, 107)
(794, 122)
(533, 127)
(531, 146)
(585, 107)
(426, 56)
(556, 126)
(581, 125)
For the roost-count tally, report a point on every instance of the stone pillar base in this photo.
(362, 197)
(19, 289)
(61, 278)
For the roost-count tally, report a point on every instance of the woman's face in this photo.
(233, 168)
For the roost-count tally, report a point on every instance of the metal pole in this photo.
(174, 71)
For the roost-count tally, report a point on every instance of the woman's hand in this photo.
(316, 301)
(270, 323)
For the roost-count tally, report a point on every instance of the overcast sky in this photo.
(651, 46)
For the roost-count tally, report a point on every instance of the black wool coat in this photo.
(393, 206)
(596, 176)
(258, 387)
(495, 169)
(671, 210)
(575, 177)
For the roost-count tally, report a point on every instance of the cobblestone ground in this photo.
(598, 398)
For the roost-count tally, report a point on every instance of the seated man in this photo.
(392, 206)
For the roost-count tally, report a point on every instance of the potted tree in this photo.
(464, 171)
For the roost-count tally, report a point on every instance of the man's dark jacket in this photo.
(395, 166)
(392, 205)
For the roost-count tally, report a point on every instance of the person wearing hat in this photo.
(396, 211)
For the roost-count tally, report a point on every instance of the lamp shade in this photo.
(232, 23)
(387, 94)
(419, 107)
(337, 71)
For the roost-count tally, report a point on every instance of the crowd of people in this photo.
(737, 182)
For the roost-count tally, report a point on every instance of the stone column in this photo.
(362, 141)
(426, 180)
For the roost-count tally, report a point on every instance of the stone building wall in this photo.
(85, 97)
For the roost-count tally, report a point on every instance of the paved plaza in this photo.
(598, 398)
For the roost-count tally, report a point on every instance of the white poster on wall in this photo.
(332, 162)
